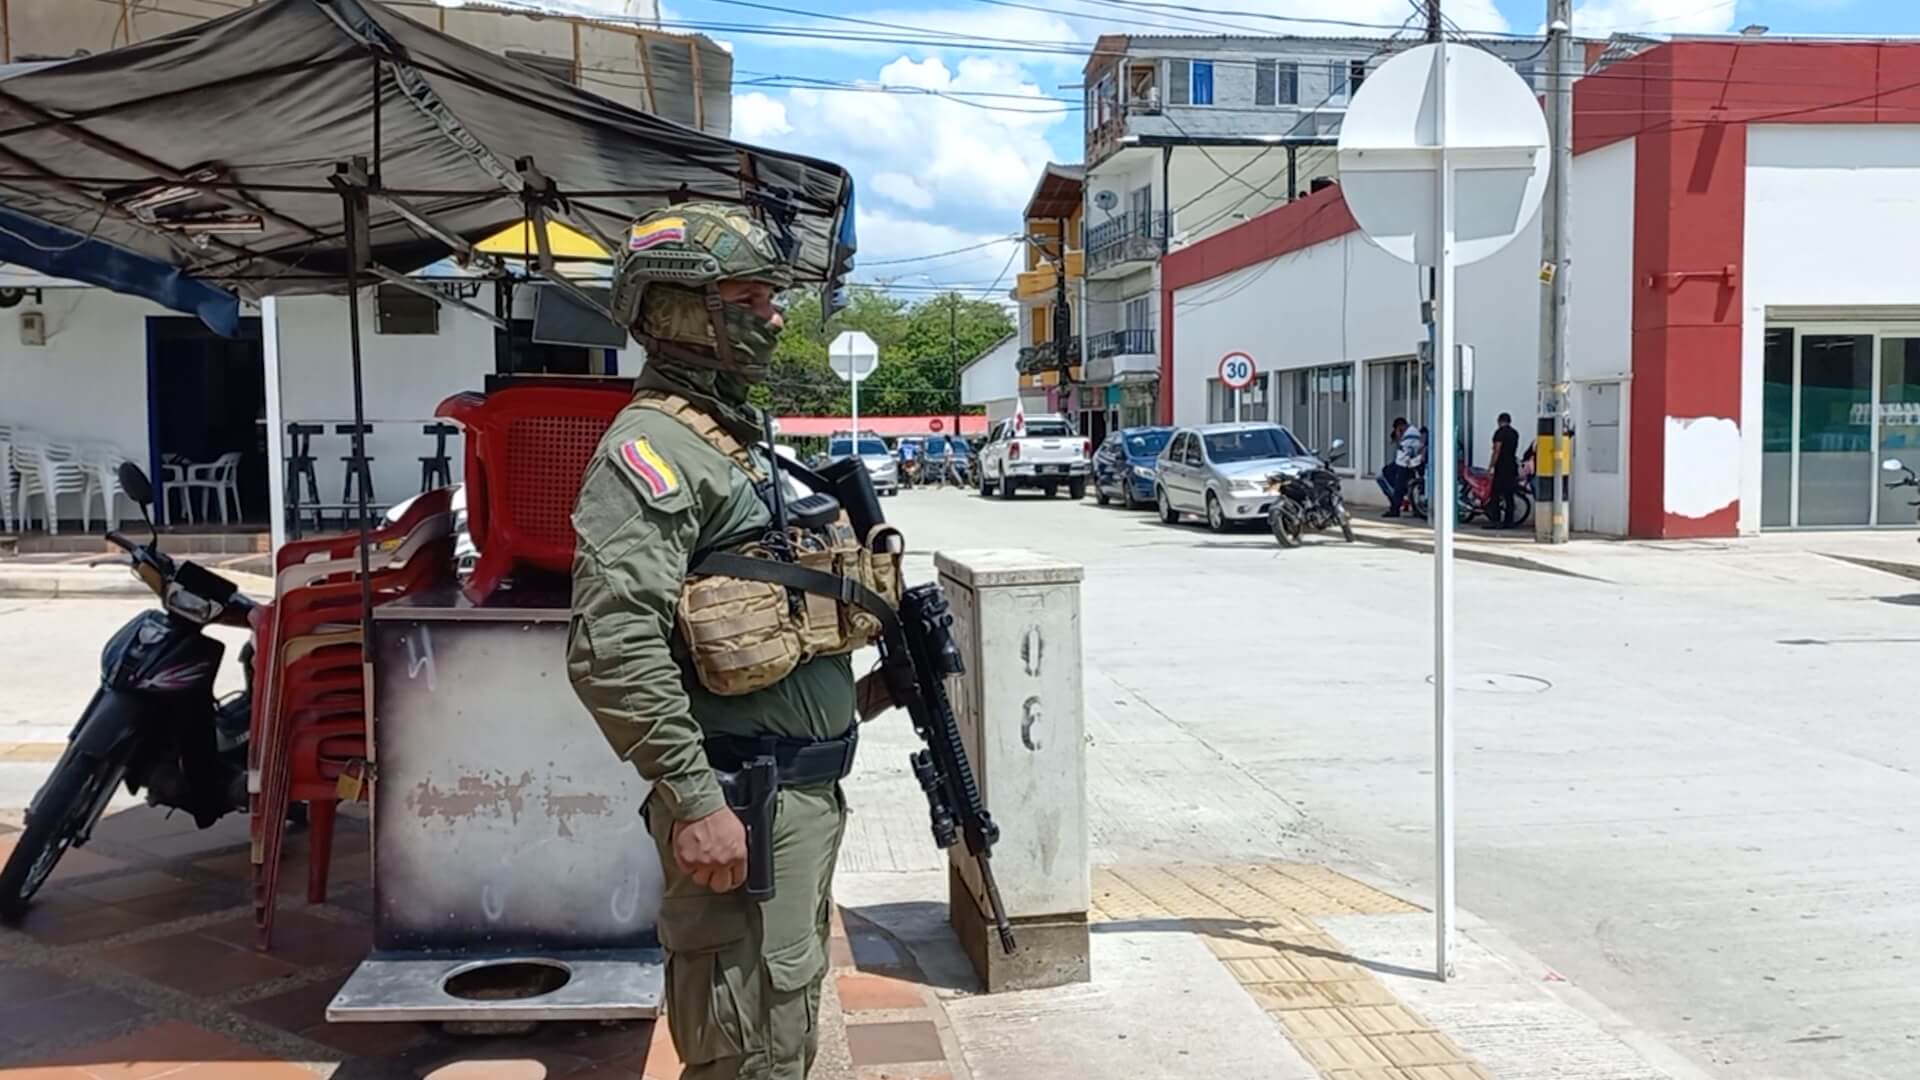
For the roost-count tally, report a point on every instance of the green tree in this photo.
(918, 370)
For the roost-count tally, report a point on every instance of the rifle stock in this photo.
(916, 659)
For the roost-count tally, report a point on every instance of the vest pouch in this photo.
(821, 635)
(740, 633)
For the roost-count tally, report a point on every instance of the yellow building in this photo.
(1048, 290)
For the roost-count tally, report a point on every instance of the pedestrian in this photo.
(1506, 474)
(909, 466)
(1390, 472)
(681, 470)
(1408, 457)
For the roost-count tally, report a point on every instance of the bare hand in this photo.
(712, 850)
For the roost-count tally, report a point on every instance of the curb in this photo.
(1470, 553)
(56, 586)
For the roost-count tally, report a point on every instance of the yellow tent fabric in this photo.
(517, 241)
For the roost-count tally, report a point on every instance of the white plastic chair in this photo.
(102, 462)
(8, 484)
(47, 469)
(219, 478)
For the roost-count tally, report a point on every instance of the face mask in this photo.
(752, 339)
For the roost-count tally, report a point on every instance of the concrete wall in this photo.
(993, 377)
(88, 383)
(1832, 217)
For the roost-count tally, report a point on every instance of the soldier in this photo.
(677, 476)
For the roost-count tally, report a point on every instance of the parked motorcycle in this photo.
(153, 723)
(1912, 480)
(1473, 494)
(1308, 497)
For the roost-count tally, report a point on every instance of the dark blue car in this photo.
(1123, 467)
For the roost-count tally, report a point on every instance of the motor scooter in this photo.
(153, 722)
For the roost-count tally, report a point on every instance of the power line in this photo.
(1008, 239)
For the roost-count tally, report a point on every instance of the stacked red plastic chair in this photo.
(310, 705)
(527, 448)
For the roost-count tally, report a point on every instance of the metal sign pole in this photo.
(856, 402)
(1442, 509)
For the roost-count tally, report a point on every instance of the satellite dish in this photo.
(1105, 199)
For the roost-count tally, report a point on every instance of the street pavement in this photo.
(1686, 778)
(1687, 801)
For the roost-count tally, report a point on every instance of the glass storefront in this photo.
(1836, 401)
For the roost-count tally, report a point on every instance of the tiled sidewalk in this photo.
(137, 963)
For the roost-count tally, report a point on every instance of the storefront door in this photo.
(1837, 401)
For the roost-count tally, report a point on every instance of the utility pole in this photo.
(1553, 456)
(953, 359)
(1433, 20)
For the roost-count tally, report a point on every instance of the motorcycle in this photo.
(1473, 494)
(1912, 480)
(1308, 498)
(153, 722)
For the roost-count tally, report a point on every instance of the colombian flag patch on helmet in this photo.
(652, 469)
(671, 230)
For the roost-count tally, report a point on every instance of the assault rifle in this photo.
(916, 656)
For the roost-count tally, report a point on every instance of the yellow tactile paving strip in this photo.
(29, 751)
(1258, 919)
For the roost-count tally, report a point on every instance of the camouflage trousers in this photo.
(743, 977)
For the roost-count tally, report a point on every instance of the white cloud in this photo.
(902, 189)
(757, 116)
(1655, 16)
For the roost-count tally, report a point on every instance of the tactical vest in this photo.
(748, 633)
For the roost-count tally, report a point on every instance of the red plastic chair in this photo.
(527, 449)
(310, 708)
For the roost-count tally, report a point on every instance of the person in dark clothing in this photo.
(1506, 474)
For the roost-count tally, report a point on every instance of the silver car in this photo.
(875, 455)
(1220, 471)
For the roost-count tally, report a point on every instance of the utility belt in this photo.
(797, 762)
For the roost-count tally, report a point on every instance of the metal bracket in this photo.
(1728, 276)
(539, 193)
(358, 188)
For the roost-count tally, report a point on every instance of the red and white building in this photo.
(1746, 308)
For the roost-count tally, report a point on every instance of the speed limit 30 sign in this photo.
(1237, 370)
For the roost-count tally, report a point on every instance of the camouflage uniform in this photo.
(743, 977)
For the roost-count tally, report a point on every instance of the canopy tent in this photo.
(226, 153)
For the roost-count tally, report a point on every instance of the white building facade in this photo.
(1745, 346)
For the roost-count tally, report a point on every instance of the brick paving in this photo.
(137, 963)
(1258, 921)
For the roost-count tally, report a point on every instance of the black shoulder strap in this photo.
(794, 576)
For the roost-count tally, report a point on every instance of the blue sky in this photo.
(947, 170)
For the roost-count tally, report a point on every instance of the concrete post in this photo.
(1016, 620)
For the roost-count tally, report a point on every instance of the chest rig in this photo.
(814, 583)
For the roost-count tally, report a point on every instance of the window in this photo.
(1252, 402)
(1190, 454)
(1286, 85)
(1318, 404)
(1356, 74)
(1141, 201)
(1138, 313)
(1189, 82)
(1254, 444)
(1048, 429)
(1336, 81)
(1393, 393)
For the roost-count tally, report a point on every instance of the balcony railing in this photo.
(1038, 358)
(1121, 343)
(1130, 237)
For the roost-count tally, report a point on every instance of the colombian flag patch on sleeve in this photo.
(652, 469)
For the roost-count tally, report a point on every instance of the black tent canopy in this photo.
(231, 152)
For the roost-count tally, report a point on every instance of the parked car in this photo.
(1125, 466)
(1049, 455)
(874, 454)
(1220, 472)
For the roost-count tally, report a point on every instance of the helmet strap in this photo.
(716, 318)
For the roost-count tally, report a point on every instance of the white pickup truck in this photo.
(1049, 455)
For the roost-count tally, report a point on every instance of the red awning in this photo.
(886, 426)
